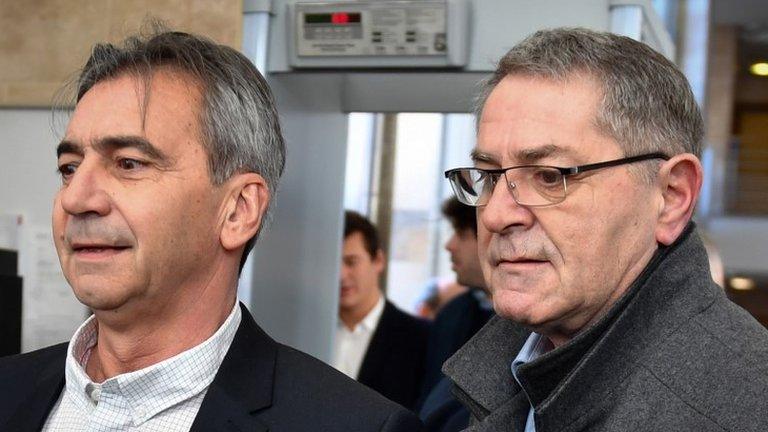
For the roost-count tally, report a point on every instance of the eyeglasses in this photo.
(530, 185)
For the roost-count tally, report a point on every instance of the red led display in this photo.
(340, 18)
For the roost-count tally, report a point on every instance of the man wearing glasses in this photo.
(586, 175)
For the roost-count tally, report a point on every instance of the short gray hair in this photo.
(647, 105)
(238, 118)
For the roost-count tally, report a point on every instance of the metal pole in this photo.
(384, 188)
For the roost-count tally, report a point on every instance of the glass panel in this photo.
(427, 145)
(357, 188)
(417, 164)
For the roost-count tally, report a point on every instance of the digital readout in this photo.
(338, 18)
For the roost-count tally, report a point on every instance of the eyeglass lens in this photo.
(531, 186)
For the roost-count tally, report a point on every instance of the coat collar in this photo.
(33, 412)
(480, 369)
(243, 385)
(674, 287)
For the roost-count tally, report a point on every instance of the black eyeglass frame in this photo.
(569, 171)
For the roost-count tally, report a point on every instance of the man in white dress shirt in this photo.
(168, 165)
(376, 343)
(361, 302)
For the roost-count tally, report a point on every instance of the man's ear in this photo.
(247, 203)
(380, 261)
(680, 178)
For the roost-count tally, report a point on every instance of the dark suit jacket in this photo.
(454, 325)
(394, 362)
(441, 411)
(260, 386)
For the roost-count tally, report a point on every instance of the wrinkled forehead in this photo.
(158, 118)
(146, 92)
(529, 119)
(159, 107)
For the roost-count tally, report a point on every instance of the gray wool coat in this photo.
(674, 354)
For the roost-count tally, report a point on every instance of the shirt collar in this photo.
(535, 346)
(370, 321)
(156, 388)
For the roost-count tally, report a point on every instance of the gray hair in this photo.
(238, 118)
(647, 105)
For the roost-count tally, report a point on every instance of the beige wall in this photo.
(44, 42)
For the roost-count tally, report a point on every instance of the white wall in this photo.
(28, 178)
(28, 182)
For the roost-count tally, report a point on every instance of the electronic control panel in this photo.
(415, 33)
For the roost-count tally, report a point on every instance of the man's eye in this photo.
(129, 164)
(548, 177)
(66, 171)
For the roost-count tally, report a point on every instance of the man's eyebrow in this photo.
(477, 156)
(535, 154)
(69, 147)
(526, 156)
(111, 143)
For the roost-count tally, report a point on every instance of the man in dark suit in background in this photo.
(376, 343)
(456, 322)
(464, 315)
(168, 165)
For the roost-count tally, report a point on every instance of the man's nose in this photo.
(85, 192)
(450, 245)
(502, 212)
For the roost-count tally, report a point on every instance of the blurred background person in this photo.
(376, 343)
(456, 323)
(436, 293)
(464, 315)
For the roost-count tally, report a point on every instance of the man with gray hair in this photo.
(168, 164)
(585, 178)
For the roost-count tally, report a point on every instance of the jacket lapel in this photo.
(33, 412)
(510, 416)
(243, 384)
(375, 357)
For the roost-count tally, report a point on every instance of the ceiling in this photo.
(746, 13)
(752, 17)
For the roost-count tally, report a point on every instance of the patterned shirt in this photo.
(163, 397)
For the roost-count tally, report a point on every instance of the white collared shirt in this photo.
(350, 346)
(535, 346)
(163, 397)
